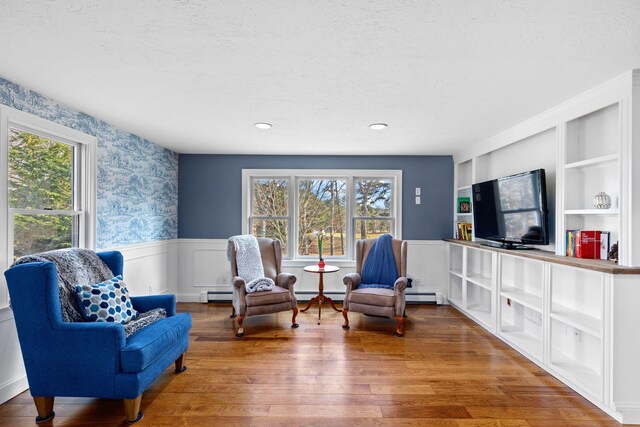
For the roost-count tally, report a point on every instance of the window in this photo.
(293, 205)
(49, 189)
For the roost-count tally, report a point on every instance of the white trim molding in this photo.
(349, 175)
(85, 188)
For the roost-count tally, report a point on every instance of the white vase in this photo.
(602, 201)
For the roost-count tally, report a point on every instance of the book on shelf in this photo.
(570, 242)
(464, 204)
(588, 244)
(464, 231)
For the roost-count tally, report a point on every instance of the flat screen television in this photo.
(512, 210)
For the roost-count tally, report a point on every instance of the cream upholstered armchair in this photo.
(377, 301)
(280, 298)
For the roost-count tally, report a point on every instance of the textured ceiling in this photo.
(194, 76)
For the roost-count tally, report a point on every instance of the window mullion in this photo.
(293, 217)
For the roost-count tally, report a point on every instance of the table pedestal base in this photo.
(320, 299)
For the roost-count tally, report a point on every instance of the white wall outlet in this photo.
(417, 200)
(417, 191)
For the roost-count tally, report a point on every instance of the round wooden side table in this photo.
(320, 298)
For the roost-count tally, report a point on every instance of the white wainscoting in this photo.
(204, 271)
(13, 379)
(151, 268)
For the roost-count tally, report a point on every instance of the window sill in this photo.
(300, 263)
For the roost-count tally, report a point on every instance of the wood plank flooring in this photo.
(446, 371)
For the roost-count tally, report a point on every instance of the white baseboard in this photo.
(12, 388)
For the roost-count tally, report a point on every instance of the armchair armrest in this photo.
(88, 334)
(398, 289)
(76, 359)
(352, 281)
(286, 280)
(239, 294)
(238, 282)
(400, 285)
(149, 302)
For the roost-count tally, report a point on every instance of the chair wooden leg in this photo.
(240, 332)
(400, 329)
(293, 319)
(180, 366)
(44, 405)
(233, 312)
(132, 409)
(346, 319)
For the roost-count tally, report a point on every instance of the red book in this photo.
(588, 244)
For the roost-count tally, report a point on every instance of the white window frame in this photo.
(84, 203)
(349, 175)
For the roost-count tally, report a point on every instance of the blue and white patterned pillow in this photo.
(107, 301)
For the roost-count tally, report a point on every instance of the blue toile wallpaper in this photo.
(137, 198)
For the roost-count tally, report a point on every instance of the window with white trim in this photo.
(294, 205)
(49, 188)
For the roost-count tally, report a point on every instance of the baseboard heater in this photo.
(412, 297)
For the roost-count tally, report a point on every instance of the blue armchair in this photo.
(90, 359)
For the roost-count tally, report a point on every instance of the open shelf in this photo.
(455, 289)
(482, 281)
(456, 273)
(522, 340)
(531, 301)
(577, 319)
(480, 312)
(479, 303)
(578, 373)
(605, 160)
(592, 212)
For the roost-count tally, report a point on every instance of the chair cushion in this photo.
(147, 345)
(107, 301)
(274, 296)
(373, 296)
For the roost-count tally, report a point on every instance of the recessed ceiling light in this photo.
(378, 126)
(263, 125)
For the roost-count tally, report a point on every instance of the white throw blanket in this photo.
(249, 263)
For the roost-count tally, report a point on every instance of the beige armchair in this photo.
(280, 298)
(374, 301)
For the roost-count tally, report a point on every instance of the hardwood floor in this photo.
(446, 371)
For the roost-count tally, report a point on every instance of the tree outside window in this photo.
(41, 193)
(322, 206)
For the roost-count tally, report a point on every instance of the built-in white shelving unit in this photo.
(471, 283)
(562, 313)
(575, 318)
(464, 179)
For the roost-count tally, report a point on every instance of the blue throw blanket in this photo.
(379, 270)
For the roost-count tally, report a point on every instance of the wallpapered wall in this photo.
(137, 198)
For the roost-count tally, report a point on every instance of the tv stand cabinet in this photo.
(576, 318)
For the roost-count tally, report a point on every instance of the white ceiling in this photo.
(194, 76)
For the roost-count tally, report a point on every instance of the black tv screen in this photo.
(512, 209)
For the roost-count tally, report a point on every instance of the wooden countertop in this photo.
(589, 264)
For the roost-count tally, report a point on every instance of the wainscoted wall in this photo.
(210, 190)
(203, 268)
(137, 198)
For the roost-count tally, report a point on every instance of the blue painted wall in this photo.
(137, 186)
(210, 190)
